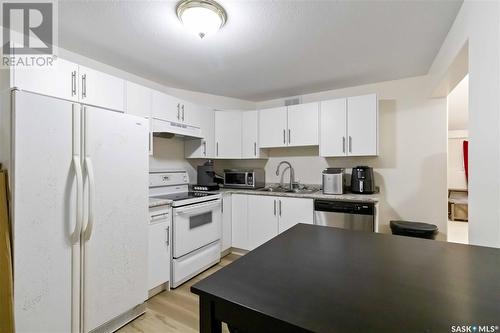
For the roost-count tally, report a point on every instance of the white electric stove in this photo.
(196, 224)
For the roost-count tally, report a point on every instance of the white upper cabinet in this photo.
(59, 80)
(138, 103)
(190, 113)
(349, 126)
(262, 219)
(294, 210)
(303, 124)
(273, 127)
(165, 107)
(203, 148)
(228, 134)
(250, 147)
(138, 100)
(291, 126)
(333, 122)
(362, 125)
(100, 89)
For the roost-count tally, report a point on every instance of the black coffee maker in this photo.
(362, 180)
(208, 180)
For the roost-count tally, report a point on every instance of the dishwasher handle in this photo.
(347, 207)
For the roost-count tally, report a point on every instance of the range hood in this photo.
(170, 129)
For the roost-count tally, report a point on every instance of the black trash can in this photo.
(414, 229)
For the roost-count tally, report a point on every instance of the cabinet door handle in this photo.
(84, 85)
(178, 111)
(167, 235)
(280, 206)
(217, 149)
(73, 83)
(222, 206)
(350, 144)
(289, 135)
(343, 144)
(274, 207)
(255, 148)
(204, 148)
(182, 112)
(284, 137)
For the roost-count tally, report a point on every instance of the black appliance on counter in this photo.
(362, 180)
(207, 179)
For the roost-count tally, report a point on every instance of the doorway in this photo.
(457, 166)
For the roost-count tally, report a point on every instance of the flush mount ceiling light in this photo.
(202, 17)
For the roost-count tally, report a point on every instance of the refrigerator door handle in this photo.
(89, 168)
(79, 199)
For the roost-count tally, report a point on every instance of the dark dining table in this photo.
(321, 279)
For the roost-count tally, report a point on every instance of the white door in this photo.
(46, 245)
(239, 221)
(158, 254)
(116, 235)
(165, 107)
(59, 80)
(102, 90)
(293, 211)
(190, 113)
(138, 100)
(250, 135)
(203, 148)
(273, 127)
(303, 124)
(226, 221)
(228, 134)
(362, 123)
(262, 219)
(333, 121)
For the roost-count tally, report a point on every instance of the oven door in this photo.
(195, 226)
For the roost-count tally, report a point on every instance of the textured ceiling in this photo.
(268, 49)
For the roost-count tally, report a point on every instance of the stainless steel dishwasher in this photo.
(343, 214)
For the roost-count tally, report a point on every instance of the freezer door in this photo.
(46, 148)
(116, 234)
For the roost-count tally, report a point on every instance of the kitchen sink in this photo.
(285, 190)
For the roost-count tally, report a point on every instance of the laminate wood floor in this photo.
(175, 310)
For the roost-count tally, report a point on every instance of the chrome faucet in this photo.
(292, 173)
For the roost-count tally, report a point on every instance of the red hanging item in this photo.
(466, 159)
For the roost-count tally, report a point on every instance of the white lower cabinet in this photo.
(239, 221)
(293, 211)
(258, 218)
(262, 219)
(226, 222)
(159, 254)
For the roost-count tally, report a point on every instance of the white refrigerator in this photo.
(79, 179)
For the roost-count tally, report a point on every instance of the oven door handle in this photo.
(196, 207)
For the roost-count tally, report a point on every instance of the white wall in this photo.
(478, 24)
(411, 168)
